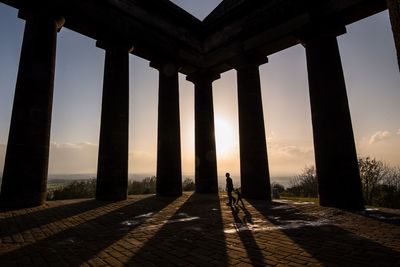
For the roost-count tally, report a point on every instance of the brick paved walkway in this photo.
(196, 230)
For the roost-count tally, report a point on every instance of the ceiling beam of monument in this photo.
(158, 29)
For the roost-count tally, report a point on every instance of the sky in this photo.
(371, 74)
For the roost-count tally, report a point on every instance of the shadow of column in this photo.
(380, 216)
(92, 234)
(330, 244)
(193, 235)
(246, 236)
(21, 221)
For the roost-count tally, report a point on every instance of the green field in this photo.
(57, 183)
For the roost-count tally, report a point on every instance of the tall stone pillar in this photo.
(254, 173)
(394, 13)
(26, 163)
(335, 152)
(169, 172)
(112, 170)
(206, 178)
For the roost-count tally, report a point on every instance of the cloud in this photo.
(73, 157)
(270, 136)
(283, 151)
(287, 159)
(379, 136)
(294, 151)
(55, 145)
(398, 131)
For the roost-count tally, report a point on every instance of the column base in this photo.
(351, 205)
(109, 197)
(22, 203)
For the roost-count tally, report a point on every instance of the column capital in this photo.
(107, 44)
(167, 67)
(246, 60)
(203, 76)
(42, 14)
(319, 31)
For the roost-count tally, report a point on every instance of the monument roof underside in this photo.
(161, 31)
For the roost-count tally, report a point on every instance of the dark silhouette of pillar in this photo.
(169, 172)
(26, 163)
(112, 170)
(206, 178)
(394, 13)
(254, 172)
(335, 152)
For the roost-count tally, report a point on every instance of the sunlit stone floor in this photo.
(197, 230)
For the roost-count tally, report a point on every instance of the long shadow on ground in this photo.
(40, 216)
(247, 237)
(328, 243)
(79, 243)
(380, 216)
(192, 236)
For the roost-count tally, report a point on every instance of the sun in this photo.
(224, 137)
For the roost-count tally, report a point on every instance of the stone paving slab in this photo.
(197, 230)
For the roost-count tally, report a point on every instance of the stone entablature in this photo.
(158, 27)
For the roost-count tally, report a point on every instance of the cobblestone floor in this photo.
(197, 230)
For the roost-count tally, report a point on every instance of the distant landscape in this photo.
(380, 184)
(55, 179)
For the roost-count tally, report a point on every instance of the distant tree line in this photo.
(87, 188)
(146, 186)
(305, 184)
(380, 183)
(76, 189)
(188, 185)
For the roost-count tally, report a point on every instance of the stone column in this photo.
(169, 172)
(26, 163)
(112, 170)
(394, 13)
(335, 152)
(206, 178)
(254, 173)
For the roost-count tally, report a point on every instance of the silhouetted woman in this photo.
(229, 189)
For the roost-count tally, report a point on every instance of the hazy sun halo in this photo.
(224, 135)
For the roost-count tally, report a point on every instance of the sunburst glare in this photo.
(224, 137)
